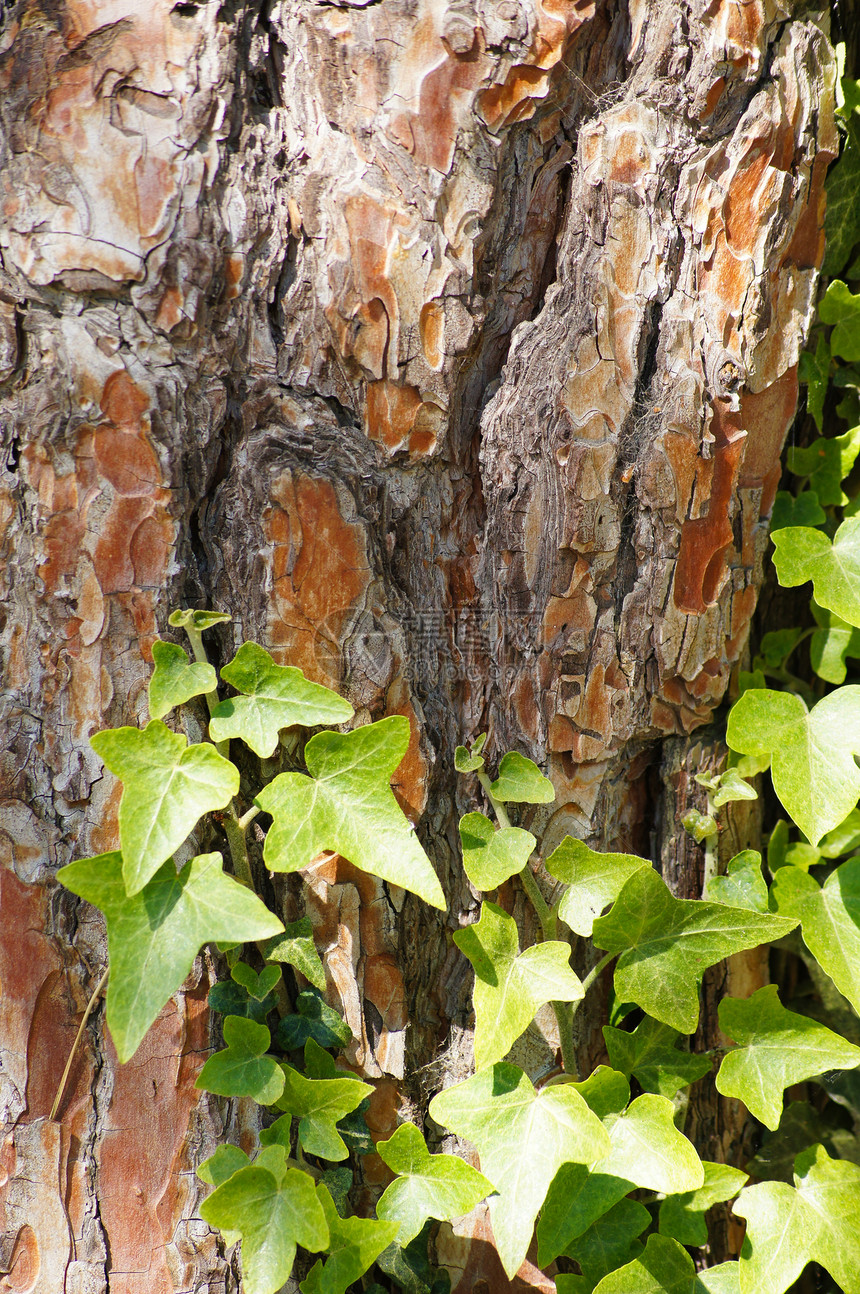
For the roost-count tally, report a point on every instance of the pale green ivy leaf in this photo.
(427, 1186)
(683, 1216)
(296, 947)
(743, 885)
(829, 918)
(733, 787)
(510, 986)
(834, 568)
(175, 679)
(347, 805)
(523, 1138)
(197, 620)
(167, 786)
(816, 1220)
(650, 1054)
(466, 761)
(666, 944)
(243, 1068)
(490, 855)
(521, 781)
(813, 768)
(594, 881)
(154, 935)
(354, 1246)
(318, 1104)
(273, 697)
(226, 1161)
(274, 1209)
(842, 839)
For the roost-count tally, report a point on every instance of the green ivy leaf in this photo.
(354, 1246)
(610, 1241)
(650, 1054)
(829, 918)
(230, 998)
(523, 1138)
(842, 839)
(776, 646)
(827, 461)
(318, 1104)
(154, 936)
(831, 644)
(226, 1161)
(796, 510)
(667, 943)
(243, 1068)
(776, 1049)
(167, 785)
(273, 697)
(814, 772)
(800, 1127)
(274, 1208)
(842, 221)
(814, 372)
(427, 1186)
(816, 1220)
(521, 781)
(175, 680)
(346, 804)
(732, 787)
(464, 762)
(491, 856)
(594, 881)
(197, 620)
(701, 826)
(646, 1150)
(663, 1268)
(296, 947)
(314, 1019)
(834, 568)
(743, 886)
(840, 307)
(683, 1216)
(258, 987)
(510, 986)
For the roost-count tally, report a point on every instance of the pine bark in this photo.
(450, 348)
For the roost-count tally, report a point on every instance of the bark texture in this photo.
(450, 346)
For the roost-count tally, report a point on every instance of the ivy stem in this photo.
(96, 993)
(234, 829)
(195, 637)
(592, 976)
(549, 931)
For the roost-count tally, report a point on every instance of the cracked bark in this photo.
(451, 348)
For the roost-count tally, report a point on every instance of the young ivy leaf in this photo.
(154, 936)
(316, 1020)
(840, 307)
(274, 1208)
(354, 1246)
(427, 1186)
(273, 697)
(318, 1104)
(523, 1138)
(197, 620)
(743, 886)
(466, 761)
(827, 461)
(802, 554)
(296, 947)
(816, 1220)
(175, 679)
(510, 986)
(650, 1054)
(346, 804)
(226, 1161)
(243, 1068)
(829, 918)
(776, 1048)
(521, 781)
(167, 786)
(733, 787)
(683, 1216)
(594, 881)
(256, 986)
(491, 856)
(646, 1150)
(231, 997)
(813, 768)
(667, 943)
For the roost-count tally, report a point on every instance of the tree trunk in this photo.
(450, 348)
